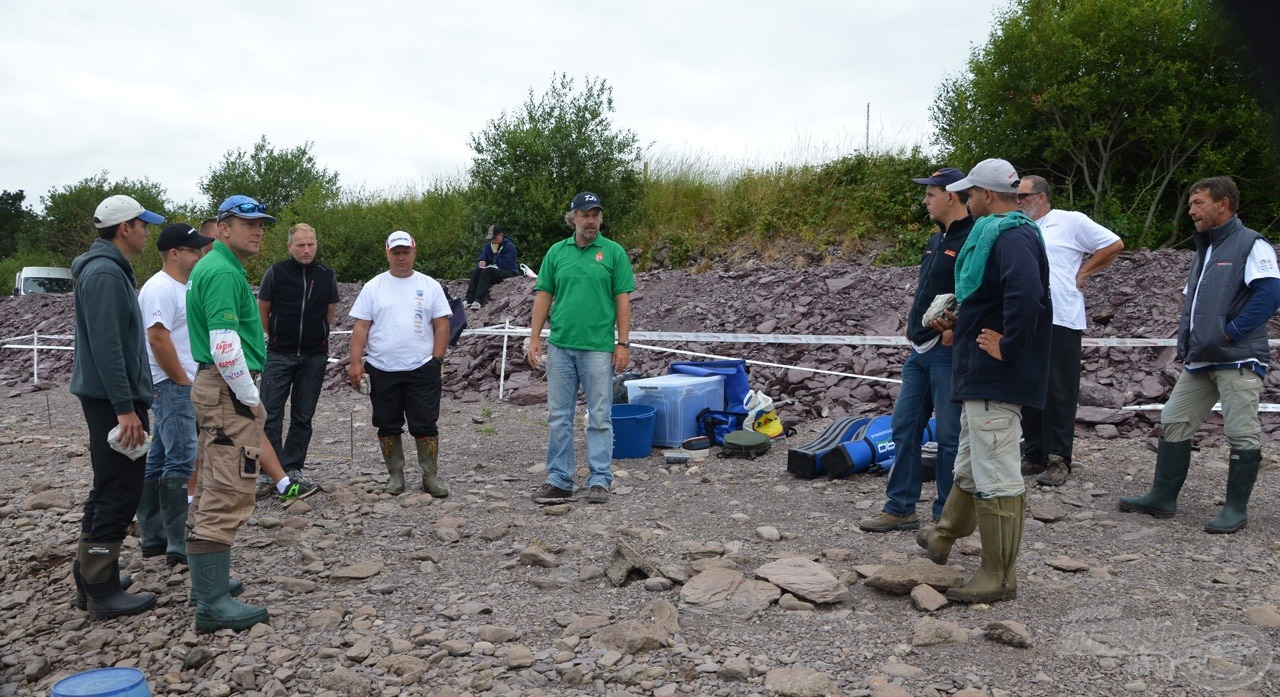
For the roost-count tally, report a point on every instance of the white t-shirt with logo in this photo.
(163, 301)
(400, 311)
(1068, 237)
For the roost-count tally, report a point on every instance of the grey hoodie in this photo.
(111, 352)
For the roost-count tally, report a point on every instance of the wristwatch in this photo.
(624, 344)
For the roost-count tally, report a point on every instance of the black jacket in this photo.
(300, 295)
(1013, 299)
(937, 275)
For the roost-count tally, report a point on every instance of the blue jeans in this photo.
(926, 388)
(173, 433)
(297, 379)
(566, 370)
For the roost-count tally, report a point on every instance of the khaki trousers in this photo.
(1194, 395)
(227, 471)
(988, 461)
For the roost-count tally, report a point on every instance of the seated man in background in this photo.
(497, 263)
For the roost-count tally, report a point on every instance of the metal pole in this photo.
(351, 432)
(502, 370)
(35, 357)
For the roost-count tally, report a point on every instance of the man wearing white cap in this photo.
(110, 375)
(1003, 328)
(398, 345)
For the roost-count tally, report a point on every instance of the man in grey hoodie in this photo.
(111, 376)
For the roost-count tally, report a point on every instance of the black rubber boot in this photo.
(1172, 462)
(81, 601)
(1241, 475)
(173, 514)
(100, 575)
(215, 608)
(150, 524)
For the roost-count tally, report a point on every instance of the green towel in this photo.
(972, 260)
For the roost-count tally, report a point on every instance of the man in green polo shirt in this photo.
(227, 345)
(584, 284)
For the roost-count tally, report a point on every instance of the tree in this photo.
(15, 221)
(68, 212)
(1122, 103)
(274, 177)
(530, 163)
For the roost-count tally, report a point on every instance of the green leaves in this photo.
(275, 177)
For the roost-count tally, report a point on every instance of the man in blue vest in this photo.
(1231, 292)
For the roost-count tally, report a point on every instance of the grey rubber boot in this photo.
(99, 573)
(215, 608)
(1172, 462)
(393, 454)
(1242, 472)
(428, 460)
(150, 523)
(173, 513)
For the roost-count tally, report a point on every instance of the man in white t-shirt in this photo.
(162, 511)
(1069, 237)
(400, 337)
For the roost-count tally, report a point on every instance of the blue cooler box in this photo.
(678, 400)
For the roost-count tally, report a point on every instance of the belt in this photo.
(201, 367)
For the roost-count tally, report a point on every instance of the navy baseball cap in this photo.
(181, 235)
(242, 206)
(943, 177)
(585, 201)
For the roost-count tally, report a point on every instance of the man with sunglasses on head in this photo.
(162, 512)
(109, 374)
(1068, 237)
(227, 344)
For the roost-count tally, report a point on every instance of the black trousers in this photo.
(1052, 430)
(117, 480)
(412, 395)
(481, 279)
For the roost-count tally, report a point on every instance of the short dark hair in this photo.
(1040, 185)
(1219, 188)
(109, 232)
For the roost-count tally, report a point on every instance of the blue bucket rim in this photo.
(90, 677)
(638, 411)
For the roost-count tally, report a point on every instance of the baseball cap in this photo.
(993, 174)
(495, 230)
(943, 177)
(242, 206)
(181, 235)
(120, 208)
(400, 238)
(585, 201)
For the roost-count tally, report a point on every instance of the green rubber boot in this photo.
(1241, 475)
(958, 519)
(215, 608)
(150, 522)
(173, 513)
(1172, 462)
(1000, 522)
(393, 455)
(428, 460)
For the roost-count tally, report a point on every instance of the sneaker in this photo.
(598, 494)
(264, 490)
(1056, 472)
(1029, 468)
(550, 494)
(887, 522)
(475, 305)
(298, 490)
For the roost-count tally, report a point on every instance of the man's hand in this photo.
(131, 432)
(948, 337)
(535, 356)
(989, 341)
(354, 372)
(621, 357)
(944, 323)
(482, 263)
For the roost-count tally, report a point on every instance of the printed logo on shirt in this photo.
(1222, 263)
(419, 292)
(950, 252)
(1267, 265)
(599, 256)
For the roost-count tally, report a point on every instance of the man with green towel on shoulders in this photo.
(1002, 330)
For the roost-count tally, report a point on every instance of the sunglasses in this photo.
(242, 208)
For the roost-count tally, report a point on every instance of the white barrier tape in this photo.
(763, 363)
(42, 347)
(1264, 407)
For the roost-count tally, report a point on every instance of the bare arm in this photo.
(264, 309)
(622, 354)
(541, 309)
(440, 336)
(166, 354)
(359, 338)
(333, 308)
(1100, 260)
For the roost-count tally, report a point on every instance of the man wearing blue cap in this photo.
(226, 341)
(926, 375)
(110, 376)
(589, 280)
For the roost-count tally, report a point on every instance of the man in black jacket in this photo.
(926, 375)
(496, 263)
(1231, 292)
(111, 376)
(1002, 334)
(296, 300)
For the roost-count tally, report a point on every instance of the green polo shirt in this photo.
(219, 297)
(583, 283)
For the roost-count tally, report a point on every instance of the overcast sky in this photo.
(389, 92)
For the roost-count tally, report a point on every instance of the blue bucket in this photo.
(632, 430)
(104, 682)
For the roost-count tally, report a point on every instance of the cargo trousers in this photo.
(227, 473)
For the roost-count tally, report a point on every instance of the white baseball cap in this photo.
(400, 238)
(120, 208)
(992, 174)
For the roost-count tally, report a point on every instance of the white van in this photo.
(42, 279)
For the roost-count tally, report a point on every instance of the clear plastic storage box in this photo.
(679, 399)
